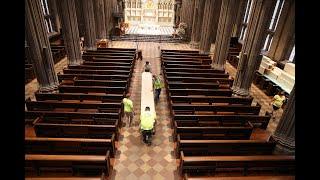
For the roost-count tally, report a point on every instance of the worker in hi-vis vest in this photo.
(157, 86)
(128, 108)
(147, 123)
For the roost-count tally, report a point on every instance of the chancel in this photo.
(223, 64)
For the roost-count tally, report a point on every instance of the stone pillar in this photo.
(108, 16)
(70, 32)
(40, 51)
(197, 23)
(90, 29)
(187, 15)
(54, 12)
(240, 15)
(80, 19)
(256, 34)
(100, 19)
(177, 13)
(282, 40)
(209, 25)
(226, 22)
(285, 132)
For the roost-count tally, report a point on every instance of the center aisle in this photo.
(135, 160)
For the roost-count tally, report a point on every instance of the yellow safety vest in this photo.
(158, 83)
(147, 120)
(278, 100)
(128, 105)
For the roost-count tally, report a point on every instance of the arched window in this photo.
(273, 25)
(292, 55)
(47, 16)
(245, 20)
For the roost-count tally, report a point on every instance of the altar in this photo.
(149, 16)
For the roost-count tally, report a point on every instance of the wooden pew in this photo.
(179, 85)
(79, 96)
(236, 108)
(51, 105)
(189, 177)
(79, 146)
(193, 63)
(66, 178)
(268, 164)
(102, 57)
(175, 51)
(75, 165)
(94, 63)
(199, 79)
(62, 77)
(204, 92)
(224, 147)
(101, 72)
(213, 133)
(193, 70)
(75, 130)
(71, 115)
(186, 66)
(117, 49)
(84, 82)
(256, 120)
(118, 54)
(90, 67)
(92, 89)
(211, 99)
(206, 75)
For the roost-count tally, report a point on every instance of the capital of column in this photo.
(284, 145)
(50, 88)
(240, 91)
(218, 66)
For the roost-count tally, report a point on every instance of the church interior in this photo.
(226, 109)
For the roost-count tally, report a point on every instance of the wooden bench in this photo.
(203, 92)
(117, 49)
(79, 96)
(234, 108)
(85, 82)
(69, 146)
(256, 120)
(101, 72)
(91, 67)
(94, 63)
(206, 75)
(75, 130)
(188, 177)
(224, 147)
(102, 57)
(92, 89)
(51, 105)
(245, 165)
(211, 99)
(193, 70)
(71, 115)
(200, 79)
(213, 133)
(62, 77)
(66, 178)
(75, 165)
(186, 66)
(179, 85)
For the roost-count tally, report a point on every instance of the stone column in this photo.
(177, 13)
(225, 25)
(90, 29)
(240, 15)
(209, 25)
(282, 40)
(100, 19)
(285, 132)
(108, 16)
(187, 15)
(54, 12)
(80, 19)
(40, 51)
(197, 23)
(256, 34)
(70, 32)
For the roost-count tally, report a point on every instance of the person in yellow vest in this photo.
(277, 102)
(147, 123)
(128, 108)
(157, 86)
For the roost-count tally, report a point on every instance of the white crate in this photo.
(261, 70)
(290, 68)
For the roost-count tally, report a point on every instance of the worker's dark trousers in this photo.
(157, 95)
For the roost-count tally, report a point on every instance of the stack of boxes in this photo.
(284, 77)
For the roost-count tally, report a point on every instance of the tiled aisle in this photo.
(134, 160)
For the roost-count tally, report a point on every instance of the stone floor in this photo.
(134, 160)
